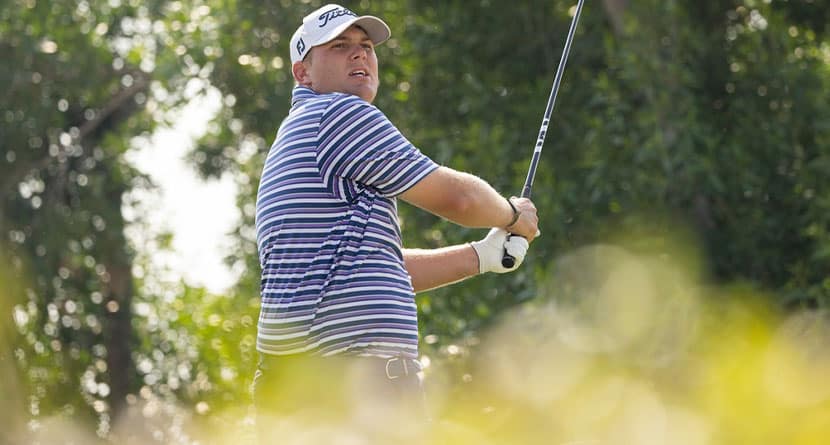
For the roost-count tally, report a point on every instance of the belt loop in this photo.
(389, 362)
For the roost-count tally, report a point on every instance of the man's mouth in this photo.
(358, 73)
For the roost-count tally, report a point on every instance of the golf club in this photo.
(507, 260)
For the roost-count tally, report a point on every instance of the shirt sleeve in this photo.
(358, 148)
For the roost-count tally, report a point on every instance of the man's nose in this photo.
(358, 52)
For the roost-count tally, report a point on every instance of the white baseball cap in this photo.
(328, 22)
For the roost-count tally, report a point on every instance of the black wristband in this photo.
(516, 213)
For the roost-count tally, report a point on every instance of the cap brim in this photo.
(375, 28)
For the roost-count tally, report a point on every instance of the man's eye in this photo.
(368, 47)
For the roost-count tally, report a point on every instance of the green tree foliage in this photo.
(68, 111)
(706, 121)
(80, 84)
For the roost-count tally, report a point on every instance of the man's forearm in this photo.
(432, 268)
(482, 206)
(470, 201)
(462, 198)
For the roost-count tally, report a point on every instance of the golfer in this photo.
(338, 324)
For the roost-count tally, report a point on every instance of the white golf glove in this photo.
(491, 249)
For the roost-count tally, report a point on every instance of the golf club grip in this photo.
(507, 260)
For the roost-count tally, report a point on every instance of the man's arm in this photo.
(471, 202)
(439, 267)
(431, 268)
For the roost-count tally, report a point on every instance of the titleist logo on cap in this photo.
(332, 14)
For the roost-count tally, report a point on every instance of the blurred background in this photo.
(679, 292)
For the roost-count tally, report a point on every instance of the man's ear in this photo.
(301, 75)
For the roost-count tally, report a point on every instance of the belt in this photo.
(394, 368)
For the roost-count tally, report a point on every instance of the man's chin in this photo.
(366, 94)
(363, 89)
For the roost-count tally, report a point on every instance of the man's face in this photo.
(347, 64)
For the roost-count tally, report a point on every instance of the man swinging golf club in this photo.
(337, 286)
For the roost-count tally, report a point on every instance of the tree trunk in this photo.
(119, 332)
(118, 337)
(12, 389)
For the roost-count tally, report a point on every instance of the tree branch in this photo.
(88, 128)
(115, 103)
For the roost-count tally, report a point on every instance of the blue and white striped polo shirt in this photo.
(333, 276)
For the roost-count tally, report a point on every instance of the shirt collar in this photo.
(301, 94)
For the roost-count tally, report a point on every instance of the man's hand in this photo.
(526, 222)
(492, 247)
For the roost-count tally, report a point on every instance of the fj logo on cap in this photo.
(300, 46)
(333, 14)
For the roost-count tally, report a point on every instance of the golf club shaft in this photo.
(507, 260)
